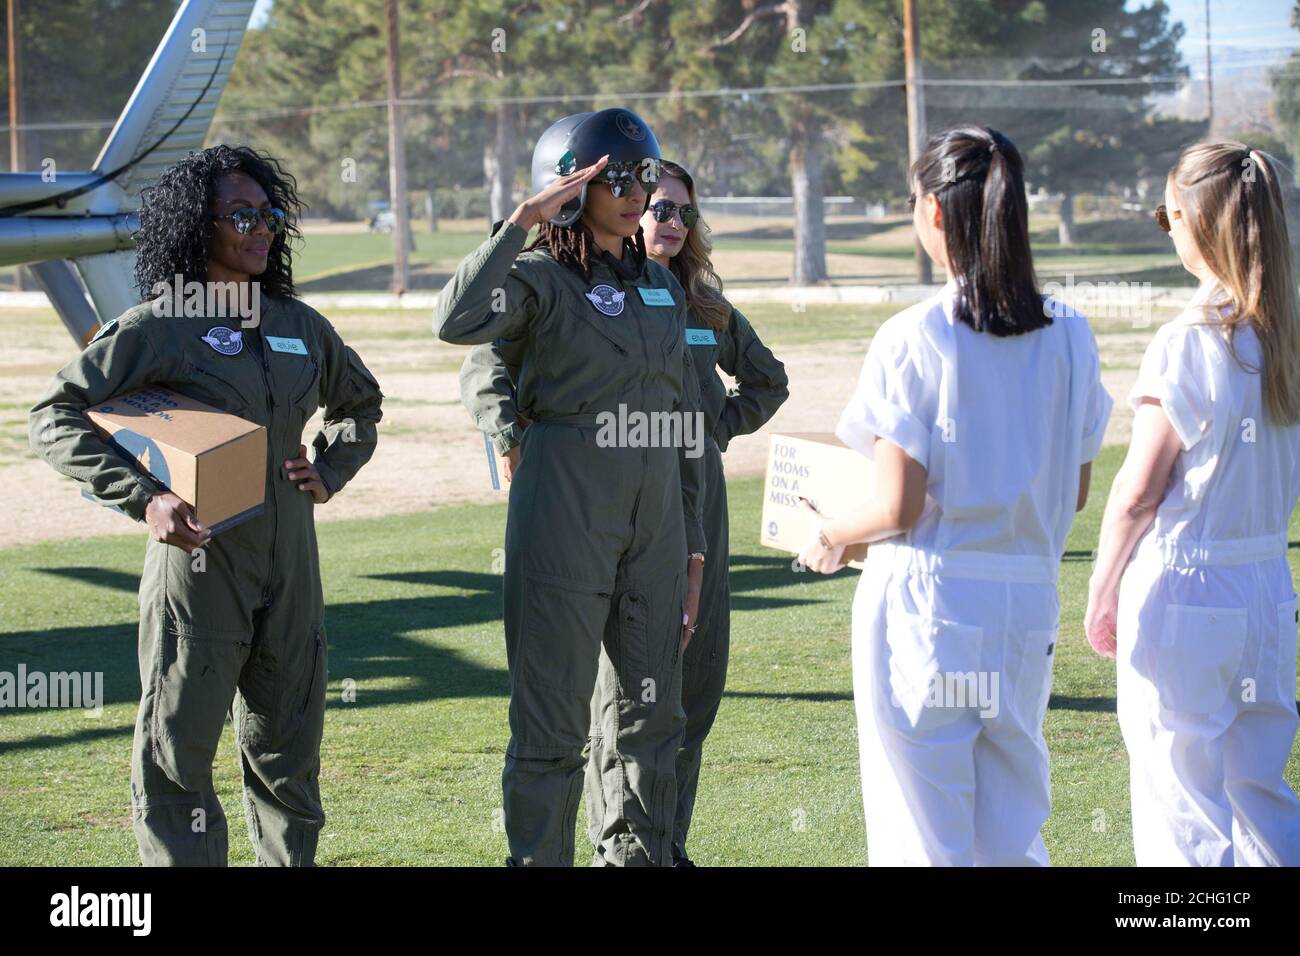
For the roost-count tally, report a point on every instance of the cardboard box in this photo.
(819, 467)
(212, 460)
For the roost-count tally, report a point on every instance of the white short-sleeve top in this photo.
(1236, 476)
(1001, 424)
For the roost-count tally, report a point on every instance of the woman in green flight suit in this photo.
(604, 546)
(243, 627)
(719, 337)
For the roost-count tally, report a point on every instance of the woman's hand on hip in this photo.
(304, 472)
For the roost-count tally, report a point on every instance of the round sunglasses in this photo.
(664, 209)
(1163, 217)
(246, 219)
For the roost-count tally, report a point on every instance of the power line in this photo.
(721, 93)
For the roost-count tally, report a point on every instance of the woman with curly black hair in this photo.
(231, 616)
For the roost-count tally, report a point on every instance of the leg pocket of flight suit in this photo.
(1288, 616)
(1033, 681)
(282, 698)
(631, 656)
(928, 655)
(1198, 655)
(198, 672)
(562, 624)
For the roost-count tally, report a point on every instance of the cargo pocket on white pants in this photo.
(933, 668)
(1198, 655)
(1033, 687)
(1288, 617)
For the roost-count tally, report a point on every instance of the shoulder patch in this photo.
(103, 330)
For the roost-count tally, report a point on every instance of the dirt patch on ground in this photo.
(429, 453)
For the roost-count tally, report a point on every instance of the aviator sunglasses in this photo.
(245, 219)
(663, 212)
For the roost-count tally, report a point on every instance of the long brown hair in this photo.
(978, 178)
(693, 264)
(1232, 204)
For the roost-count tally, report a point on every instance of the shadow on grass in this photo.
(369, 642)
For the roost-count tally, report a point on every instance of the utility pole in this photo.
(396, 155)
(915, 114)
(1209, 75)
(16, 158)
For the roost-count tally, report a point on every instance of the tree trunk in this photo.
(1065, 231)
(499, 158)
(808, 192)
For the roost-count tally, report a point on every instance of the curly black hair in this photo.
(575, 246)
(176, 220)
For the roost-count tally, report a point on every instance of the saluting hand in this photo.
(304, 472)
(173, 522)
(547, 203)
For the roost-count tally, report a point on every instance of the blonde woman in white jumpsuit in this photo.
(982, 408)
(1204, 624)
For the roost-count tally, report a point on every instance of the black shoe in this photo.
(682, 861)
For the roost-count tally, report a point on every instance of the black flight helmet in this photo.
(577, 141)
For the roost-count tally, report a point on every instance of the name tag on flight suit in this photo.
(701, 337)
(655, 296)
(292, 346)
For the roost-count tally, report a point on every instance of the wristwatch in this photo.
(821, 536)
(696, 556)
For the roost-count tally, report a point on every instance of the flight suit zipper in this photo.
(267, 596)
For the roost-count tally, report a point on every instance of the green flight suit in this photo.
(597, 533)
(487, 380)
(243, 630)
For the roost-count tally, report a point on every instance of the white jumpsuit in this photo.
(1206, 640)
(955, 622)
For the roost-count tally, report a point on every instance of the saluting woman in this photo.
(601, 528)
(719, 337)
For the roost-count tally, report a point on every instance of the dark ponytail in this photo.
(978, 177)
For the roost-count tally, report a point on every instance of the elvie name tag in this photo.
(701, 337)
(655, 296)
(292, 346)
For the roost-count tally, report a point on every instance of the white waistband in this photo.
(1188, 553)
(979, 565)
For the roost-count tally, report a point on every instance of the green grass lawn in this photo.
(411, 770)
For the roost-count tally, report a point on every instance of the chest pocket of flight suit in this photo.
(216, 386)
(304, 393)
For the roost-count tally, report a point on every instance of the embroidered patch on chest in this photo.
(606, 299)
(224, 340)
